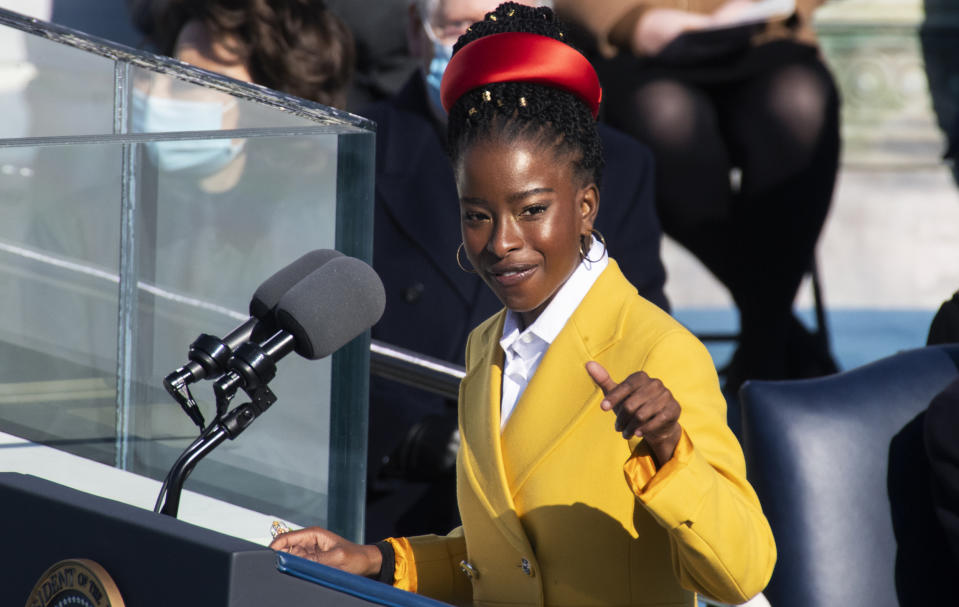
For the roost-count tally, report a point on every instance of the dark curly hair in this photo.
(296, 46)
(534, 112)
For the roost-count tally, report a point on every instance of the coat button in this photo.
(526, 567)
(469, 570)
(414, 292)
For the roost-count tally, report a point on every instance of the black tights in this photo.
(780, 129)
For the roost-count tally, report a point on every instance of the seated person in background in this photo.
(742, 117)
(574, 489)
(298, 47)
(941, 429)
(233, 192)
(432, 304)
(383, 61)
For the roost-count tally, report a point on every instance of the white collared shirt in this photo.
(525, 349)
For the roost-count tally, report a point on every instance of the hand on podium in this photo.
(327, 548)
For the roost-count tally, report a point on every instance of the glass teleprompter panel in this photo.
(142, 201)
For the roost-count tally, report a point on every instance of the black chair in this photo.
(839, 466)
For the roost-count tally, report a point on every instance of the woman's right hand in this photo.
(327, 548)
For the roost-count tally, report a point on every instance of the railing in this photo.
(414, 369)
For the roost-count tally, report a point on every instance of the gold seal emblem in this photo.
(75, 583)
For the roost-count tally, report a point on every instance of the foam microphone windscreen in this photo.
(331, 306)
(268, 294)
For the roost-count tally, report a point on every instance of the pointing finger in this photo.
(600, 376)
(603, 380)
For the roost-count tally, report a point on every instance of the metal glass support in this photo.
(415, 369)
(128, 263)
(349, 399)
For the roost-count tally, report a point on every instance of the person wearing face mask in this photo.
(442, 52)
(298, 47)
(203, 157)
(432, 304)
(219, 186)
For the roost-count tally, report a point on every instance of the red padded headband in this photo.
(520, 57)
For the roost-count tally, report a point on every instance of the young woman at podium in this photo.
(595, 464)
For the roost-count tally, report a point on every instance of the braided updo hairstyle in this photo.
(522, 110)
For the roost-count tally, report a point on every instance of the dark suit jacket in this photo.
(431, 304)
(942, 449)
(383, 61)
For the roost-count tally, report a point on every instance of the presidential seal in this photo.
(75, 583)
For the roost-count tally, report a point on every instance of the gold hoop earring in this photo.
(584, 248)
(460, 263)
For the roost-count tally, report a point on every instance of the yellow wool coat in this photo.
(558, 509)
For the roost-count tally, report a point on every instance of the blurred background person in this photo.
(743, 118)
(432, 303)
(298, 47)
(940, 429)
(940, 47)
(383, 61)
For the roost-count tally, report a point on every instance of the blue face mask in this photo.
(442, 53)
(199, 157)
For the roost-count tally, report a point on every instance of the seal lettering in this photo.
(75, 583)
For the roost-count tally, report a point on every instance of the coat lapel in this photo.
(561, 391)
(495, 463)
(481, 448)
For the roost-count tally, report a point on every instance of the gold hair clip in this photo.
(522, 101)
(487, 96)
(472, 111)
(562, 35)
(511, 13)
(492, 17)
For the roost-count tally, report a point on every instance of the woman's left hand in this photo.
(644, 407)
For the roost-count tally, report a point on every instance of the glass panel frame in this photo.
(110, 156)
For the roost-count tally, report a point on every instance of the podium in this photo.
(158, 561)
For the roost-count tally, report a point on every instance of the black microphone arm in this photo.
(317, 316)
(229, 426)
(209, 355)
(252, 367)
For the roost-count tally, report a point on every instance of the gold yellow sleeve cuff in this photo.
(404, 576)
(641, 473)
